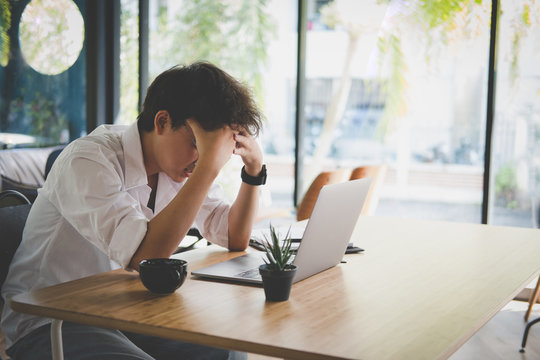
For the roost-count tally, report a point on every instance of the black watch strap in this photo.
(254, 180)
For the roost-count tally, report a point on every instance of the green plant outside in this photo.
(5, 25)
(45, 118)
(437, 19)
(506, 186)
(234, 35)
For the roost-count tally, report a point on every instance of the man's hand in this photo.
(250, 152)
(215, 147)
(170, 225)
(244, 209)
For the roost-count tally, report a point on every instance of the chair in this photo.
(377, 172)
(50, 161)
(532, 300)
(194, 232)
(12, 221)
(29, 191)
(304, 209)
(14, 209)
(12, 197)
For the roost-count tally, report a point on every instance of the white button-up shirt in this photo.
(90, 217)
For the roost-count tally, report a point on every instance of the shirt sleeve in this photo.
(213, 218)
(91, 196)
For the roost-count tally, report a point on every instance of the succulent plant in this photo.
(278, 252)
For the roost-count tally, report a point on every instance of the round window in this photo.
(51, 34)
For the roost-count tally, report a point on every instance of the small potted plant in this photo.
(277, 273)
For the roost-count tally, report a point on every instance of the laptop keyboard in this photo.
(250, 274)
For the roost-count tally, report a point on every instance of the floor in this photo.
(499, 339)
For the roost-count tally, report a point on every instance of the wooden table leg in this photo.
(533, 299)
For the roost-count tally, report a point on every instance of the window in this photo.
(388, 84)
(255, 41)
(129, 61)
(43, 98)
(515, 164)
(397, 82)
(51, 35)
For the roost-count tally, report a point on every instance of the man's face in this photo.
(177, 152)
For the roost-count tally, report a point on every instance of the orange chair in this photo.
(377, 172)
(532, 301)
(304, 209)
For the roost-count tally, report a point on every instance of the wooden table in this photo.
(420, 290)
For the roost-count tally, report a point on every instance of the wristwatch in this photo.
(254, 180)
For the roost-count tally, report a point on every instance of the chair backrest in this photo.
(29, 191)
(304, 209)
(12, 221)
(12, 197)
(51, 159)
(377, 172)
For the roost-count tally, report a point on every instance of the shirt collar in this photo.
(133, 155)
(166, 191)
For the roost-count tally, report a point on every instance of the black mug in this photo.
(163, 275)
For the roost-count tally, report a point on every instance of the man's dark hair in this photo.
(203, 92)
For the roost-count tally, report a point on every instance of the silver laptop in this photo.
(324, 240)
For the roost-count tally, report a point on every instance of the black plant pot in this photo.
(277, 284)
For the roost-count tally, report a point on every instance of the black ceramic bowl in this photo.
(163, 275)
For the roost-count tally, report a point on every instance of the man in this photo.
(124, 194)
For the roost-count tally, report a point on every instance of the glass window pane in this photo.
(60, 25)
(388, 83)
(129, 62)
(43, 97)
(515, 161)
(254, 41)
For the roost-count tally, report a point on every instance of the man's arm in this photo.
(244, 209)
(169, 227)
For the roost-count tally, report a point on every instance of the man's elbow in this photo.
(238, 245)
(133, 264)
(237, 248)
